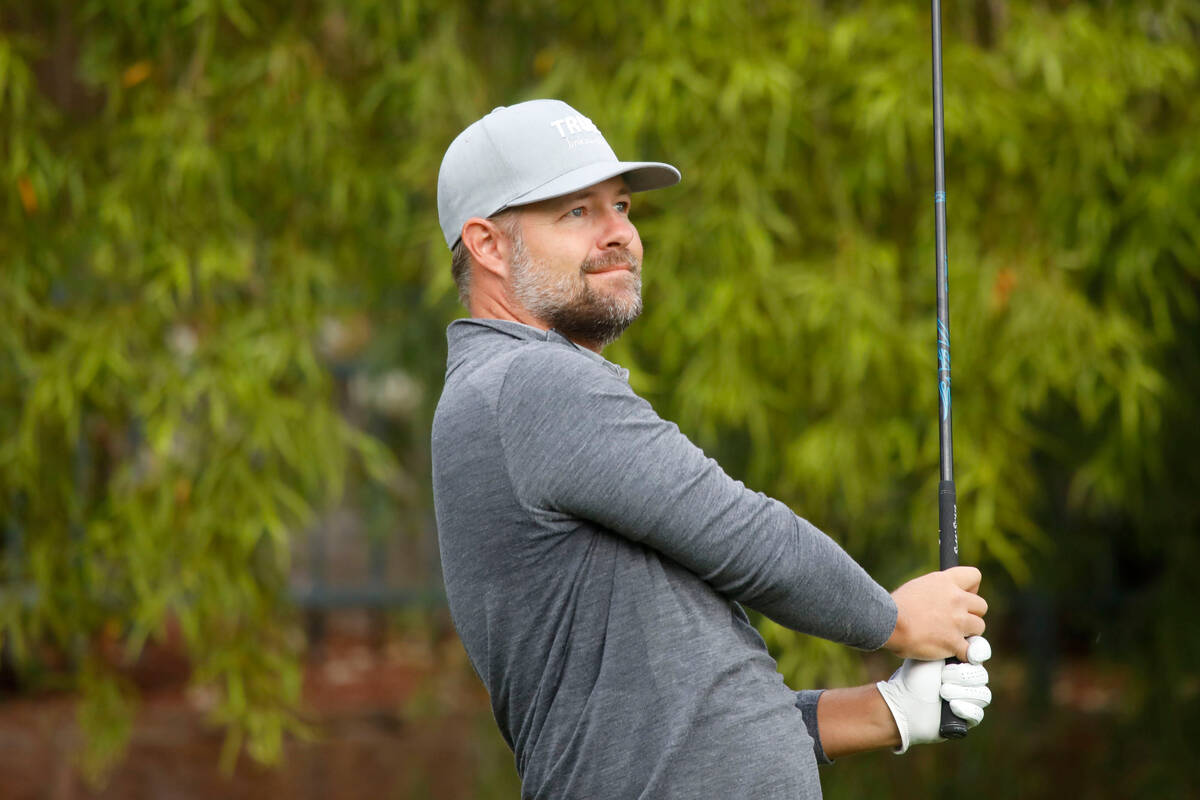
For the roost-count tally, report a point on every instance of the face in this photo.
(577, 263)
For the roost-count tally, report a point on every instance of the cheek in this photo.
(557, 255)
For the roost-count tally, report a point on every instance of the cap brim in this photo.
(641, 176)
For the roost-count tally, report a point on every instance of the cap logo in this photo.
(575, 124)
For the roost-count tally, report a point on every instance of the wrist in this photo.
(889, 731)
(855, 719)
(895, 642)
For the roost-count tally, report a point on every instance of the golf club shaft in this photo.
(951, 726)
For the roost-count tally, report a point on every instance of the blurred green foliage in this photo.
(194, 194)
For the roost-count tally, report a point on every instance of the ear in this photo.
(488, 244)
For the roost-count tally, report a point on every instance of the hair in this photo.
(460, 269)
(461, 260)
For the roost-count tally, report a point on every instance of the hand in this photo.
(935, 614)
(915, 693)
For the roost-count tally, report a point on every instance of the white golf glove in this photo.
(915, 694)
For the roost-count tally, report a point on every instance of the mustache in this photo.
(615, 258)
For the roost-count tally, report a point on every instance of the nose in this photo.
(618, 231)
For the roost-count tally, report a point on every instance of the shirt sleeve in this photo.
(806, 701)
(579, 442)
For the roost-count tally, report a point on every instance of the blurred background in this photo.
(223, 297)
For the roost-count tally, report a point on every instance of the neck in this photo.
(486, 303)
(499, 311)
(491, 307)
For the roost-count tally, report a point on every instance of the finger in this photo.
(969, 713)
(965, 675)
(979, 695)
(966, 577)
(977, 605)
(979, 650)
(972, 627)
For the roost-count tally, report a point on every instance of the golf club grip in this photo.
(951, 726)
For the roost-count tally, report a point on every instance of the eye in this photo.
(576, 212)
(623, 206)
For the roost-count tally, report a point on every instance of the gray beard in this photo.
(569, 305)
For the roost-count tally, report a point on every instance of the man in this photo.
(596, 562)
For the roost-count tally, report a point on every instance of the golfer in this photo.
(596, 562)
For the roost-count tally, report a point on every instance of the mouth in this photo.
(609, 268)
(614, 261)
(611, 264)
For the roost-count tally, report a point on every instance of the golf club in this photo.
(951, 727)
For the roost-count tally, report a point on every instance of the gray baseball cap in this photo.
(529, 152)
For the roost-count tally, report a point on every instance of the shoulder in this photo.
(550, 369)
(528, 377)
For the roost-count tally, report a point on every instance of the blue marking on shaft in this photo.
(943, 354)
(939, 197)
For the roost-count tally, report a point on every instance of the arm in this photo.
(906, 709)
(853, 720)
(580, 443)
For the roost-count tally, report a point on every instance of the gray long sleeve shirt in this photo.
(594, 562)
